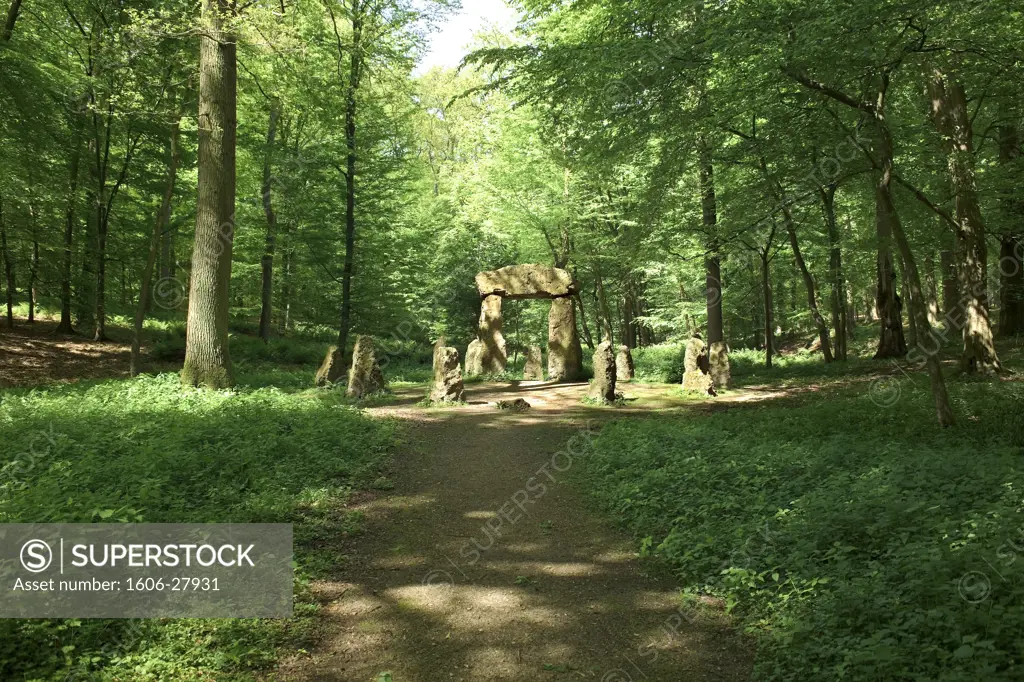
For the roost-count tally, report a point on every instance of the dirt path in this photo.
(485, 565)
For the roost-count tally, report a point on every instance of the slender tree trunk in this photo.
(718, 350)
(33, 277)
(606, 313)
(835, 270)
(943, 409)
(207, 357)
(950, 288)
(12, 19)
(913, 339)
(931, 289)
(267, 263)
(769, 318)
(812, 295)
(1011, 290)
(1011, 245)
(8, 267)
(65, 326)
(162, 218)
(587, 337)
(286, 283)
(952, 119)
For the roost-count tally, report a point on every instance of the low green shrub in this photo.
(147, 450)
(858, 541)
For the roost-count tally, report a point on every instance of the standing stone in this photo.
(365, 377)
(603, 386)
(447, 386)
(696, 378)
(331, 369)
(474, 358)
(494, 357)
(527, 281)
(534, 369)
(565, 362)
(718, 361)
(624, 364)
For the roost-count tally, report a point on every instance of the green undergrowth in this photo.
(857, 540)
(147, 450)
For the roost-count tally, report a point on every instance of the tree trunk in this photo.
(837, 277)
(891, 343)
(606, 313)
(952, 119)
(587, 336)
(12, 19)
(943, 409)
(162, 218)
(8, 267)
(1011, 290)
(33, 277)
(1011, 246)
(812, 296)
(769, 318)
(286, 283)
(65, 326)
(931, 289)
(207, 357)
(718, 350)
(355, 76)
(267, 263)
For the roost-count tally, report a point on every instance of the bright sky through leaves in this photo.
(448, 45)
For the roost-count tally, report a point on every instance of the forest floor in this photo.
(483, 564)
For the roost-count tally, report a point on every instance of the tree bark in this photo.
(1011, 245)
(953, 122)
(812, 296)
(65, 326)
(267, 262)
(606, 313)
(769, 318)
(12, 19)
(351, 111)
(207, 357)
(33, 277)
(835, 270)
(720, 369)
(943, 409)
(162, 218)
(8, 267)
(891, 343)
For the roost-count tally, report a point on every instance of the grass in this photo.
(855, 540)
(147, 450)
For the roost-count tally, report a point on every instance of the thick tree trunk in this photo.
(812, 296)
(207, 357)
(718, 350)
(267, 263)
(355, 77)
(837, 277)
(8, 267)
(891, 343)
(12, 19)
(65, 326)
(952, 119)
(162, 218)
